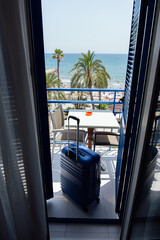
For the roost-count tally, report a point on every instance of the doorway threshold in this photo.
(63, 209)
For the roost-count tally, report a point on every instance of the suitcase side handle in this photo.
(78, 120)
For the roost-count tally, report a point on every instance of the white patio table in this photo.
(98, 119)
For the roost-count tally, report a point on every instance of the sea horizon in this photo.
(115, 65)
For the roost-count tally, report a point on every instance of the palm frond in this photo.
(90, 71)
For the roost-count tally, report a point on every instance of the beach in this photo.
(111, 84)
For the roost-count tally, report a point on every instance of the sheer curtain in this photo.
(22, 204)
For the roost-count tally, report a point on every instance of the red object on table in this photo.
(88, 113)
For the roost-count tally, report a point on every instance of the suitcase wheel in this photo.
(97, 200)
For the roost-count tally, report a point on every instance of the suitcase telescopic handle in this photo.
(75, 118)
(78, 120)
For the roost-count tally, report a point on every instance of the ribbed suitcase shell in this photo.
(80, 180)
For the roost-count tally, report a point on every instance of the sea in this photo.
(115, 64)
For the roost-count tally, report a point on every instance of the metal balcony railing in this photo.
(112, 103)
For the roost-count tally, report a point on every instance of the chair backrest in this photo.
(57, 117)
(156, 132)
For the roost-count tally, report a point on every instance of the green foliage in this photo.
(89, 73)
(58, 54)
(53, 82)
(101, 79)
(102, 107)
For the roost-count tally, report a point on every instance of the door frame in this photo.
(35, 30)
(146, 20)
(150, 96)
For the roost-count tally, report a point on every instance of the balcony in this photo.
(60, 207)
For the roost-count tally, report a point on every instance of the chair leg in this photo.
(53, 145)
(94, 142)
(52, 151)
(94, 147)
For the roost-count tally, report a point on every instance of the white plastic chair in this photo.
(60, 133)
(106, 138)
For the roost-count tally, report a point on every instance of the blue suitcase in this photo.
(80, 172)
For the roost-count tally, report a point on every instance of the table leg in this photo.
(90, 137)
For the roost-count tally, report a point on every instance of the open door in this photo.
(139, 50)
(38, 69)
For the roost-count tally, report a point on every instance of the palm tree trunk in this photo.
(99, 99)
(58, 71)
(78, 100)
(99, 95)
(91, 95)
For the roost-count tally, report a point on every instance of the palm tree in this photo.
(88, 71)
(101, 80)
(58, 54)
(80, 95)
(52, 82)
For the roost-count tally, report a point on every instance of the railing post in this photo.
(114, 101)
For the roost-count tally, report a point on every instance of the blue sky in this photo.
(77, 26)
